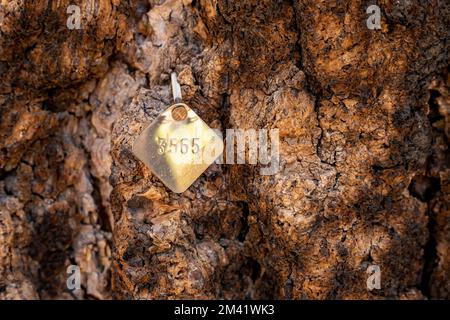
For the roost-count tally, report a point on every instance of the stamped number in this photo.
(181, 145)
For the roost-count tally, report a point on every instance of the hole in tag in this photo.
(179, 113)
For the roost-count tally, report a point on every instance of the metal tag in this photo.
(178, 146)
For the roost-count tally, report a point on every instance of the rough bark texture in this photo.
(364, 134)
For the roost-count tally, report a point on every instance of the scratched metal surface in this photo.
(178, 146)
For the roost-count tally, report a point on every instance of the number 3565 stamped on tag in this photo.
(178, 146)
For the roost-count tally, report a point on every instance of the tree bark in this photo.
(364, 127)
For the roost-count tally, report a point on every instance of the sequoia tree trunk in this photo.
(363, 117)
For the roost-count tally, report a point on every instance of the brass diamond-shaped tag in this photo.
(178, 146)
